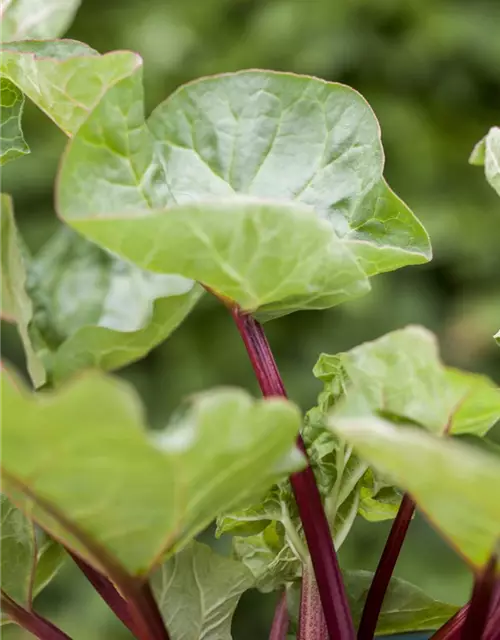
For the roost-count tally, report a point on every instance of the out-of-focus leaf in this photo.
(12, 142)
(92, 309)
(80, 462)
(400, 376)
(197, 592)
(29, 560)
(487, 153)
(456, 485)
(16, 304)
(23, 19)
(273, 184)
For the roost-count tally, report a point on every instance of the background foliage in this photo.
(430, 70)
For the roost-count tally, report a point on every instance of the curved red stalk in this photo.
(316, 529)
(31, 621)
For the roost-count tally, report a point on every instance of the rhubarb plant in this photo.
(266, 191)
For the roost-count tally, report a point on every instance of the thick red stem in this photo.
(315, 524)
(480, 603)
(385, 569)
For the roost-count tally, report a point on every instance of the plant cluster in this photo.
(265, 190)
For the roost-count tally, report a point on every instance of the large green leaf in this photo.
(455, 484)
(401, 376)
(264, 186)
(16, 304)
(12, 142)
(406, 608)
(81, 464)
(29, 559)
(23, 19)
(197, 592)
(487, 153)
(92, 309)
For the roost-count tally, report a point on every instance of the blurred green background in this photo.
(431, 71)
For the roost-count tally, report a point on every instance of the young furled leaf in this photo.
(26, 19)
(17, 306)
(455, 484)
(197, 592)
(80, 462)
(487, 153)
(29, 559)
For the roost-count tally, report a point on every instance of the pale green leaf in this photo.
(16, 304)
(401, 376)
(23, 19)
(197, 592)
(92, 309)
(80, 462)
(64, 78)
(273, 184)
(378, 499)
(29, 559)
(12, 142)
(487, 153)
(456, 485)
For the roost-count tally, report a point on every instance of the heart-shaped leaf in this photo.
(29, 559)
(197, 592)
(23, 19)
(81, 464)
(487, 153)
(12, 142)
(260, 151)
(92, 309)
(455, 484)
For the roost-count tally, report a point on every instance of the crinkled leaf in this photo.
(269, 557)
(29, 559)
(92, 309)
(456, 485)
(197, 592)
(487, 153)
(12, 142)
(406, 608)
(289, 164)
(16, 304)
(81, 463)
(23, 19)
(401, 376)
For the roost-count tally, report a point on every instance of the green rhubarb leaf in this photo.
(29, 559)
(400, 376)
(378, 499)
(16, 304)
(267, 187)
(12, 142)
(81, 463)
(197, 592)
(455, 484)
(92, 309)
(487, 153)
(64, 78)
(23, 19)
